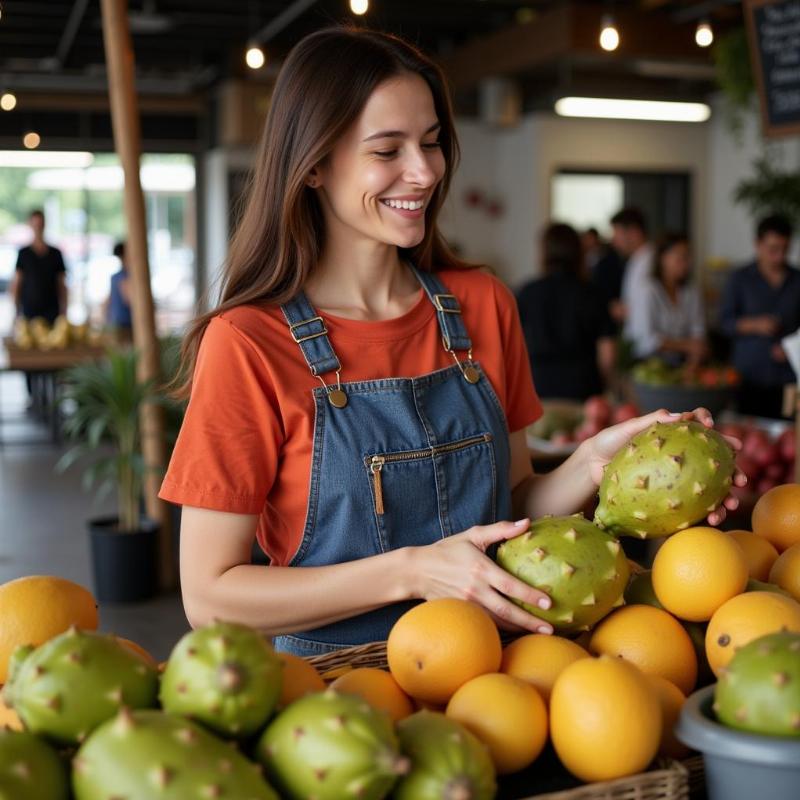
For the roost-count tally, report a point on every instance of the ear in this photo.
(314, 179)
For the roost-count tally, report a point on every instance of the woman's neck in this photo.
(367, 282)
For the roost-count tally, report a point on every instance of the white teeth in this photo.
(408, 205)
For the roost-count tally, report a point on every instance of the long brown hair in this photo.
(320, 91)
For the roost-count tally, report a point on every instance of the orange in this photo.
(745, 618)
(507, 714)
(539, 660)
(36, 608)
(9, 718)
(299, 678)
(336, 672)
(696, 571)
(605, 719)
(138, 649)
(437, 646)
(785, 571)
(672, 700)
(651, 639)
(379, 689)
(758, 552)
(776, 516)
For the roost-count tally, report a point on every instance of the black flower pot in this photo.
(124, 563)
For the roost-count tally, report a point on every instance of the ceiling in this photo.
(51, 51)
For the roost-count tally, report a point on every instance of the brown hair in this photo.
(320, 91)
(665, 243)
(561, 250)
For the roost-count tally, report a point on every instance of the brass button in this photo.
(471, 374)
(337, 398)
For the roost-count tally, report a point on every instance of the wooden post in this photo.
(127, 142)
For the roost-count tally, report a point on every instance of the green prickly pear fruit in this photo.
(447, 761)
(151, 754)
(226, 676)
(30, 769)
(581, 568)
(759, 690)
(71, 684)
(331, 746)
(665, 479)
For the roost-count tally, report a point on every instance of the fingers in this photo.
(735, 443)
(739, 479)
(717, 517)
(506, 626)
(484, 535)
(507, 584)
(731, 503)
(506, 613)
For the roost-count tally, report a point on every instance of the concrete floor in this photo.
(43, 524)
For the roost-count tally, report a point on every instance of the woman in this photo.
(352, 394)
(670, 321)
(568, 331)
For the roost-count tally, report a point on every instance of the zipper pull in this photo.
(376, 465)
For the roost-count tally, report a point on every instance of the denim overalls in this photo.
(404, 462)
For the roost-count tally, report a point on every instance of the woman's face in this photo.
(380, 177)
(676, 263)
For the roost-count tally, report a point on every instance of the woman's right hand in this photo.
(457, 566)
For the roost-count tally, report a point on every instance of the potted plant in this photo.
(104, 400)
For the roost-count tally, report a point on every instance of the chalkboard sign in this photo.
(774, 34)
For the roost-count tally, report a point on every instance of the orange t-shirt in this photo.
(246, 441)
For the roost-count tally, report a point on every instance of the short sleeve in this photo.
(226, 455)
(20, 261)
(523, 406)
(60, 266)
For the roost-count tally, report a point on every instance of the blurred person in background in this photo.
(670, 320)
(118, 305)
(760, 305)
(629, 239)
(594, 248)
(569, 335)
(38, 287)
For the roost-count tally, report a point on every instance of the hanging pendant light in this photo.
(609, 35)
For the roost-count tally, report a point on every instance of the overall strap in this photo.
(308, 330)
(448, 311)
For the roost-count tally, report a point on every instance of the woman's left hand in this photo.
(600, 449)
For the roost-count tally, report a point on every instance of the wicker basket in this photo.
(697, 777)
(668, 781)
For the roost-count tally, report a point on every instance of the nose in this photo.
(418, 168)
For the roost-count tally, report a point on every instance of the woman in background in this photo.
(670, 322)
(569, 333)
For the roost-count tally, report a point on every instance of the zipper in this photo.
(376, 463)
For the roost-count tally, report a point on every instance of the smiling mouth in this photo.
(405, 205)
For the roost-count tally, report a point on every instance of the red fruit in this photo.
(787, 444)
(748, 466)
(765, 484)
(597, 409)
(623, 413)
(776, 471)
(755, 441)
(769, 454)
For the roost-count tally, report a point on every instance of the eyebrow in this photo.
(400, 134)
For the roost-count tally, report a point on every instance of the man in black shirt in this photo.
(761, 305)
(38, 287)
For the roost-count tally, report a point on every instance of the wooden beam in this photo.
(127, 142)
(46, 101)
(571, 31)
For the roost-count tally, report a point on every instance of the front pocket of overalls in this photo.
(419, 495)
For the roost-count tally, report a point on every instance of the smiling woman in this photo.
(359, 398)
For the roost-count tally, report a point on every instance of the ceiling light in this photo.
(359, 6)
(704, 36)
(255, 57)
(8, 101)
(31, 140)
(609, 35)
(610, 108)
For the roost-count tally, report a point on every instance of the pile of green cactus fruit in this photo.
(101, 723)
